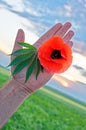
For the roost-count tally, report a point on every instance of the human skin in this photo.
(16, 91)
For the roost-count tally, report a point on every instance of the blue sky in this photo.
(36, 17)
(44, 14)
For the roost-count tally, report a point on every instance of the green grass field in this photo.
(47, 110)
(4, 76)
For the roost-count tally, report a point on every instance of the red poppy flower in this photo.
(55, 55)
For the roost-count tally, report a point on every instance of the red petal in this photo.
(55, 65)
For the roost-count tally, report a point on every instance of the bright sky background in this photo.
(36, 17)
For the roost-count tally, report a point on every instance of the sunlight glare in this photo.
(62, 81)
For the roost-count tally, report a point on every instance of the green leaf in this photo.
(24, 44)
(22, 51)
(22, 65)
(21, 58)
(38, 68)
(31, 68)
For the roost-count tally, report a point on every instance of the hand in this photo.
(32, 84)
(15, 92)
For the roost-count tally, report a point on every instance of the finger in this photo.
(19, 38)
(63, 30)
(48, 34)
(68, 36)
(70, 43)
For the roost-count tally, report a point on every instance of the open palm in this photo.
(32, 84)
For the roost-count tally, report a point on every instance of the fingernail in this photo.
(68, 23)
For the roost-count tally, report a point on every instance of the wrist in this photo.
(23, 88)
(13, 94)
(11, 86)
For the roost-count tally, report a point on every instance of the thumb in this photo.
(19, 38)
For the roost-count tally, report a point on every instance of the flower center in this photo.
(56, 54)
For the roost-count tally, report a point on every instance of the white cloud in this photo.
(85, 6)
(76, 25)
(16, 5)
(68, 8)
(9, 24)
(20, 6)
(67, 14)
(79, 58)
(79, 47)
(32, 11)
(73, 73)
